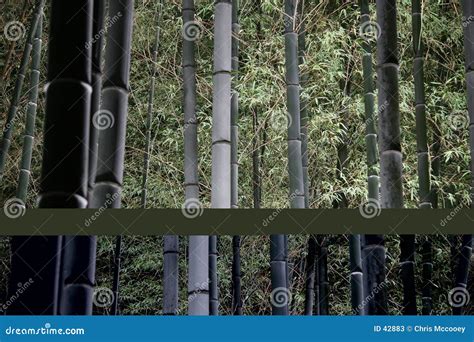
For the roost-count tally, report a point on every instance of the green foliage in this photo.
(262, 90)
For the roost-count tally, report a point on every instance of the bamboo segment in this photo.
(310, 277)
(373, 256)
(427, 275)
(76, 284)
(97, 47)
(65, 156)
(389, 135)
(112, 119)
(170, 275)
(279, 279)
(221, 131)
(29, 134)
(13, 109)
(467, 241)
(357, 289)
(198, 283)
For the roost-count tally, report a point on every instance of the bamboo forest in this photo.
(249, 104)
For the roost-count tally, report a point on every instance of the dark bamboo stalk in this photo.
(112, 120)
(373, 255)
(221, 131)
(198, 283)
(357, 289)
(13, 108)
(279, 279)
(79, 252)
(236, 268)
(65, 158)
(427, 275)
(310, 276)
(29, 133)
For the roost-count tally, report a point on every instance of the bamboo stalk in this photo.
(13, 108)
(29, 133)
(323, 281)
(65, 155)
(357, 289)
(221, 131)
(76, 283)
(198, 283)
(236, 240)
(113, 119)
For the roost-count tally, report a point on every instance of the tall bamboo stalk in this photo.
(221, 131)
(76, 283)
(236, 240)
(467, 240)
(198, 283)
(113, 119)
(65, 156)
(311, 257)
(29, 133)
(373, 249)
(13, 109)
